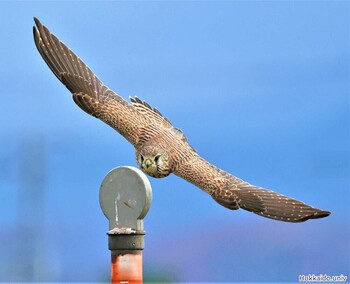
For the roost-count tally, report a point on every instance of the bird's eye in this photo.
(141, 157)
(156, 159)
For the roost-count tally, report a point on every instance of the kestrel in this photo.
(161, 149)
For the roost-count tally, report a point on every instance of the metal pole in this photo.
(125, 198)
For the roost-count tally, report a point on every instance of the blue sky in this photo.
(260, 88)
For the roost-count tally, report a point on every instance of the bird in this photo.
(161, 148)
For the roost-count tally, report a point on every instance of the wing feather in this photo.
(156, 117)
(234, 193)
(89, 93)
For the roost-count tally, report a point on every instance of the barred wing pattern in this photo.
(234, 193)
(89, 93)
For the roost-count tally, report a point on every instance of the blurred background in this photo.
(261, 89)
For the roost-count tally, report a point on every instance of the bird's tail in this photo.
(266, 203)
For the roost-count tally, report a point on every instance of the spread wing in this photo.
(89, 93)
(234, 193)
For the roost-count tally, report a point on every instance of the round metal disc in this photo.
(125, 197)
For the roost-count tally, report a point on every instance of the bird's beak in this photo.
(148, 162)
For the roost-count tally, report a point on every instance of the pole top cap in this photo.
(125, 198)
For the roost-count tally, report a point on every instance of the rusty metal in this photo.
(126, 268)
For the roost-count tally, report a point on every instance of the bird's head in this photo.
(153, 161)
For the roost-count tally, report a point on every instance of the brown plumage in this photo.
(161, 149)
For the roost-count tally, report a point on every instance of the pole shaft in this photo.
(126, 268)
